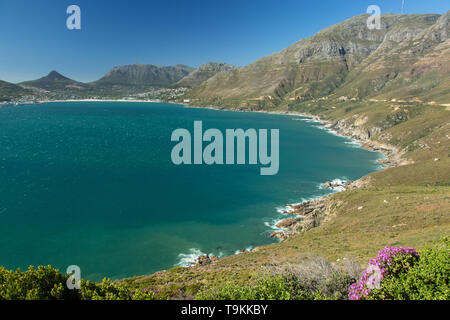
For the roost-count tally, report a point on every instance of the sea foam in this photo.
(190, 258)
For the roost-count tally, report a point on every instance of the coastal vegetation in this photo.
(47, 283)
(404, 274)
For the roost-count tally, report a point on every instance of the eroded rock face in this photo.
(310, 214)
(352, 128)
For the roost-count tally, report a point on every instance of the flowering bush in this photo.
(390, 262)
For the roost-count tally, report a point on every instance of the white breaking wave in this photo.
(338, 181)
(189, 259)
(285, 210)
(248, 249)
(323, 127)
(306, 119)
(273, 224)
(353, 143)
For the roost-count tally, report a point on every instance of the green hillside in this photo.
(202, 74)
(10, 91)
(407, 59)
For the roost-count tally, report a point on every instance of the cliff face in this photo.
(412, 62)
(347, 59)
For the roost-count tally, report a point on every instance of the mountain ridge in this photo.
(119, 81)
(144, 75)
(202, 74)
(318, 66)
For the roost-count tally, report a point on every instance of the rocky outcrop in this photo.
(206, 260)
(336, 184)
(310, 214)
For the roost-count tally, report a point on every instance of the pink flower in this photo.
(377, 270)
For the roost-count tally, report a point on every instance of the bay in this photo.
(92, 184)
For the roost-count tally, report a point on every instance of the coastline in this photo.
(309, 214)
(100, 100)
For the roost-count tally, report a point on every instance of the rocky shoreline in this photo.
(312, 213)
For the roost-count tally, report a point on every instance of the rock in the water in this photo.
(286, 223)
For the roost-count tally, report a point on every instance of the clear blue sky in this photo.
(34, 38)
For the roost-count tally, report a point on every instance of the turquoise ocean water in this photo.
(92, 184)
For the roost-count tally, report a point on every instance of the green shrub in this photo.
(107, 290)
(43, 283)
(267, 287)
(404, 274)
(46, 283)
(427, 279)
(315, 274)
(336, 287)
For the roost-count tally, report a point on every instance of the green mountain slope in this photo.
(346, 60)
(10, 91)
(202, 74)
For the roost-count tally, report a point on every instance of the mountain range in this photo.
(408, 58)
(128, 79)
(144, 75)
(203, 73)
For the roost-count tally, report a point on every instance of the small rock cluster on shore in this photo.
(205, 260)
(337, 184)
(307, 215)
